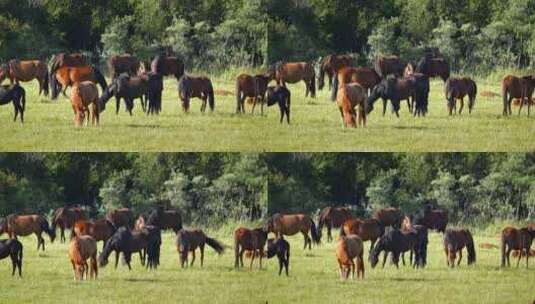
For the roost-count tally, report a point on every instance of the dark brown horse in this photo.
(516, 239)
(24, 225)
(517, 88)
(294, 72)
(13, 249)
(364, 76)
(125, 63)
(189, 240)
(330, 65)
(165, 219)
(348, 250)
(196, 87)
(367, 230)
(281, 96)
(332, 217)
(454, 242)
(81, 249)
(389, 65)
(65, 217)
(431, 218)
(85, 103)
(389, 216)
(249, 240)
(167, 66)
(25, 71)
(457, 89)
(352, 103)
(121, 217)
(434, 67)
(16, 95)
(290, 224)
(395, 90)
(100, 230)
(67, 60)
(253, 87)
(65, 77)
(128, 88)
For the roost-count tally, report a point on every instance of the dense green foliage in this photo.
(205, 186)
(471, 186)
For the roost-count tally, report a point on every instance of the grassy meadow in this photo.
(313, 278)
(315, 126)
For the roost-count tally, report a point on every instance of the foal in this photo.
(281, 248)
(13, 249)
(281, 96)
(82, 248)
(349, 97)
(348, 249)
(516, 239)
(16, 95)
(84, 98)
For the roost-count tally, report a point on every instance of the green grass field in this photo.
(316, 126)
(47, 277)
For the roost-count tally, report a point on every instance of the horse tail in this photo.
(100, 79)
(313, 85)
(215, 244)
(45, 83)
(238, 94)
(470, 248)
(23, 98)
(321, 78)
(342, 230)
(335, 88)
(20, 255)
(211, 100)
(503, 245)
(314, 232)
(54, 85)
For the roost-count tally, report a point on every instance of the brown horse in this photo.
(457, 89)
(294, 72)
(431, 218)
(290, 224)
(100, 230)
(349, 97)
(196, 87)
(367, 230)
(454, 242)
(81, 249)
(121, 217)
(67, 60)
(364, 76)
(516, 239)
(330, 65)
(26, 71)
(517, 88)
(389, 216)
(65, 217)
(434, 67)
(24, 225)
(332, 217)
(249, 240)
(65, 77)
(165, 219)
(389, 65)
(84, 100)
(252, 87)
(125, 63)
(349, 249)
(189, 240)
(167, 66)
(13, 249)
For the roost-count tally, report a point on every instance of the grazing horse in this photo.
(14, 94)
(249, 240)
(433, 219)
(330, 65)
(167, 66)
(389, 217)
(253, 87)
(457, 89)
(454, 241)
(26, 71)
(65, 217)
(24, 225)
(129, 88)
(434, 67)
(13, 249)
(348, 249)
(394, 241)
(188, 241)
(281, 96)
(388, 65)
(125, 63)
(395, 90)
(121, 217)
(290, 224)
(294, 72)
(127, 242)
(281, 248)
(100, 230)
(349, 97)
(154, 93)
(81, 249)
(199, 87)
(367, 230)
(420, 238)
(165, 219)
(65, 77)
(332, 217)
(519, 88)
(84, 100)
(364, 76)
(516, 239)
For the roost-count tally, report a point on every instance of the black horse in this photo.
(154, 241)
(13, 249)
(16, 95)
(281, 248)
(421, 93)
(154, 93)
(419, 235)
(281, 96)
(395, 242)
(165, 219)
(129, 88)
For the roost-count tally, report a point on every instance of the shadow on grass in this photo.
(143, 280)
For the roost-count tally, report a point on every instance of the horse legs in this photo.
(261, 251)
(507, 254)
(462, 106)
(192, 257)
(252, 259)
(241, 256)
(117, 105)
(40, 242)
(384, 258)
(62, 230)
(403, 258)
(203, 105)
(384, 106)
(519, 257)
(281, 264)
(460, 257)
(116, 259)
(329, 236)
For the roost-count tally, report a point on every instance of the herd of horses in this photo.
(355, 89)
(389, 231)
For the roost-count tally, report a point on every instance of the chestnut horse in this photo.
(367, 230)
(12, 248)
(519, 88)
(24, 225)
(330, 65)
(290, 224)
(100, 230)
(253, 87)
(431, 218)
(84, 100)
(165, 219)
(516, 239)
(189, 240)
(121, 217)
(16, 95)
(348, 249)
(294, 72)
(434, 67)
(81, 249)
(67, 60)
(196, 87)
(389, 65)
(364, 76)
(167, 66)
(125, 63)
(349, 97)
(26, 71)
(389, 217)
(457, 89)
(454, 242)
(65, 217)
(332, 217)
(249, 240)
(65, 77)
